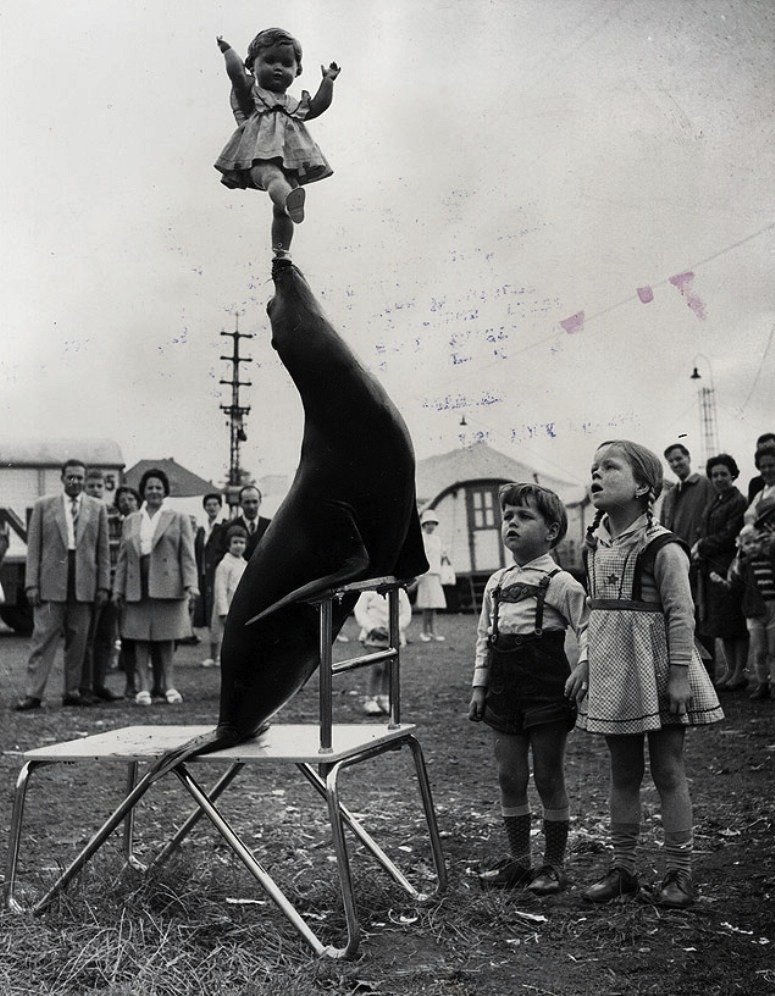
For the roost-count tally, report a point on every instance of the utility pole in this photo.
(235, 411)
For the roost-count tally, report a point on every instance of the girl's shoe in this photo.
(143, 698)
(762, 691)
(616, 884)
(294, 205)
(676, 891)
(426, 637)
(208, 662)
(383, 701)
(436, 636)
(736, 684)
(548, 881)
(173, 696)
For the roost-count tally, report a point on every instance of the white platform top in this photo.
(284, 742)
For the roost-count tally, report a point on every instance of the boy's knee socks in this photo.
(556, 827)
(516, 819)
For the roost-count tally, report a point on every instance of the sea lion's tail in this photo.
(205, 743)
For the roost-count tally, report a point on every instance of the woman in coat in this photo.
(156, 579)
(720, 614)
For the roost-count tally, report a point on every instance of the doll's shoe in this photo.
(173, 696)
(143, 698)
(294, 205)
(677, 891)
(616, 884)
(505, 874)
(548, 881)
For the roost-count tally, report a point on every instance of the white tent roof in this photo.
(480, 462)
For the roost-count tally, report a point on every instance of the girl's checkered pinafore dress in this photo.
(628, 652)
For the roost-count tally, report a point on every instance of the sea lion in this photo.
(350, 514)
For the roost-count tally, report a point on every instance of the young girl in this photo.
(644, 677)
(372, 613)
(271, 149)
(430, 594)
(227, 576)
(519, 680)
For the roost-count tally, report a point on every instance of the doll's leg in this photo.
(287, 202)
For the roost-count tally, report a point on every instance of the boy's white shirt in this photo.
(565, 605)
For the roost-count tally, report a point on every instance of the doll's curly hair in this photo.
(269, 37)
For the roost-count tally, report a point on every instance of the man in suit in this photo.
(254, 524)
(68, 573)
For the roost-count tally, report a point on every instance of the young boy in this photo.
(519, 678)
(227, 575)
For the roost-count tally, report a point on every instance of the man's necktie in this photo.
(251, 527)
(74, 511)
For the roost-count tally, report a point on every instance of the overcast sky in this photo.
(499, 167)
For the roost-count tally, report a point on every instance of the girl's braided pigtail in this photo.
(651, 499)
(590, 539)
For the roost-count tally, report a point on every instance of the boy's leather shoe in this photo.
(548, 881)
(614, 885)
(677, 890)
(505, 874)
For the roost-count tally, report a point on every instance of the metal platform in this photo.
(319, 752)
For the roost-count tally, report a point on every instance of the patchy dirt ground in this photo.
(467, 941)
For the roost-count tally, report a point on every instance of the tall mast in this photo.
(235, 411)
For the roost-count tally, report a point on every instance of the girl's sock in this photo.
(624, 837)
(678, 850)
(516, 819)
(556, 826)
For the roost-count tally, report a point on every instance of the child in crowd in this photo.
(519, 682)
(430, 594)
(271, 149)
(752, 575)
(644, 678)
(372, 615)
(227, 576)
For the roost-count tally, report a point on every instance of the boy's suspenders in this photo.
(542, 585)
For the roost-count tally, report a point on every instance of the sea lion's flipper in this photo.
(347, 549)
(411, 560)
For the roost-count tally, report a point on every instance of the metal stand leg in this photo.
(263, 878)
(339, 815)
(197, 814)
(22, 783)
(97, 840)
(129, 822)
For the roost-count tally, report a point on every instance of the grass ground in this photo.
(202, 925)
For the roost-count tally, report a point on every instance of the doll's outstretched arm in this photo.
(322, 99)
(235, 67)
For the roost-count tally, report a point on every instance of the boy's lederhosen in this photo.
(527, 671)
